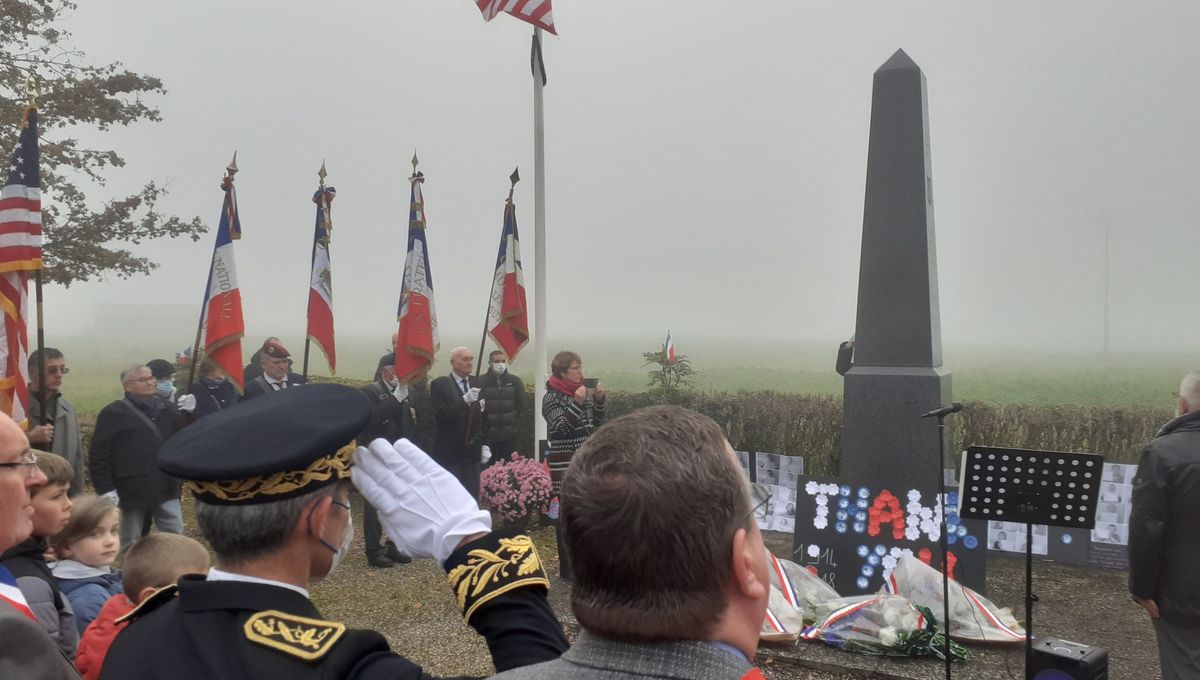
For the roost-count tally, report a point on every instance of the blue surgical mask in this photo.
(163, 388)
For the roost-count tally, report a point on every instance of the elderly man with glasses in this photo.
(57, 429)
(26, 649)
(123, 458)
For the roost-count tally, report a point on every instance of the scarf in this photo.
(151, 406)
(563, 385)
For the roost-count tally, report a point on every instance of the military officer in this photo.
(276, 363)
(270, 479)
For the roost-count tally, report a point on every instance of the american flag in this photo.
(508, 315)
(320, 285)
(20, 253)
(536, 12)
(223, 324)
(417, 340)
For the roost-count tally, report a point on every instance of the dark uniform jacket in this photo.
(1164, 525)
(451, 413)
(391, 419)
(124, 453)
(503, 395)
(260, 385)
(231, 630)
(213, 398)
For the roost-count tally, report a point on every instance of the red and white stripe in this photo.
(11, 595)
(536, 12)
(20, 227)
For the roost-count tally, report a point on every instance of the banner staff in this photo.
(539, 243)
(320, 282)
(32, 92)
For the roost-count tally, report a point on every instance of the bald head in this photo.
(461, 361)
(16, 506)
(1189, 391)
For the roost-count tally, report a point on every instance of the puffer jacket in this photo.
(88, 588)
(1164, 525)
(502, 395)
(49, 605)
(94, 644)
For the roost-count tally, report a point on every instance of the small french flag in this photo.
(669, 349)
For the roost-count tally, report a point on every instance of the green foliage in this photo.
(82, 241)
(671, 379)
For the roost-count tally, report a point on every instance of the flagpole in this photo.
(311, 258)
(32, 91)
(230, 171)
(539, 251)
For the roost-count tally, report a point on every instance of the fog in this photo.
(705, 162)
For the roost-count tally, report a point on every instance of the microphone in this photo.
(945, 410)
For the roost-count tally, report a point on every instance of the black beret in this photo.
(387, 360)
(160, 368)
(278, 446)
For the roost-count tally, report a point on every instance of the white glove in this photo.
(485, 454)
(112, 496)
(424, 509)
(400, 392)
(471, 396)
(186, 403)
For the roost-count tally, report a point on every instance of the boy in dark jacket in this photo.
(26, 561)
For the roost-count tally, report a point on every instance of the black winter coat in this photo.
(1164, 526)
(391, 419)
(124, 454)
(503, 398)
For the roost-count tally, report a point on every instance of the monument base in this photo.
(884, 436)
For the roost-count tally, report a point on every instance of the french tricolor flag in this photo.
(223, 324)
(417, 340)
(320, 286)
(669, 349)
(508, 315)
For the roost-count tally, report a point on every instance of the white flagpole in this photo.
(541, 362)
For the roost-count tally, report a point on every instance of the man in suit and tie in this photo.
(458, 443)
(275, 361)
(685, 594)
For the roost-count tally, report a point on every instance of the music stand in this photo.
(1033, 487)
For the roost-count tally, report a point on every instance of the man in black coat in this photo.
(272, 485)
(393, 418)
(458, 443)
(1164, 535)
(276, 376)
(503, 396)
(123, 457)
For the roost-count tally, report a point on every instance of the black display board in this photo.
(851, 532)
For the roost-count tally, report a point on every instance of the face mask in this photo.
(163, 388)
(500, 367)
(213, 382)
(340, 551)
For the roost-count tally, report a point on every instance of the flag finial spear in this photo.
(321, 173)
(513, 178)
(415, 161)
(232, 168)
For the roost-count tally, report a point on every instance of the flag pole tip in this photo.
(232, 168)
(415, 161)
(515, 176)
(321, 173)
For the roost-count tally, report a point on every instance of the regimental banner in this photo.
(851, 532)
(1103, 546)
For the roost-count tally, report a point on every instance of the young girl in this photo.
(87, 548)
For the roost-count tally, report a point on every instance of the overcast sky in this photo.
(706, 160)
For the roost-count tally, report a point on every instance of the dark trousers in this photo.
(372, 530)
(502, 450)
(466, 472)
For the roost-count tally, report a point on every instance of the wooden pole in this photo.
(41, 345)
(539, 252)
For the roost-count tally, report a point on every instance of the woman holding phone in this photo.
(573, 407)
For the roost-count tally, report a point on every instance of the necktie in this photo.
(465, 386)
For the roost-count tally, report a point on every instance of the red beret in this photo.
(275, 350)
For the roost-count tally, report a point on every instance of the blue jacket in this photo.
(87, 588)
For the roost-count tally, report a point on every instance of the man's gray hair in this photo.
(459, 351)
(239, 533)
(131, 369)
(1189, 389)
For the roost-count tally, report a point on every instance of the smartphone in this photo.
(591, 383)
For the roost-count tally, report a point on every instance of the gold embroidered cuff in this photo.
(498, 565)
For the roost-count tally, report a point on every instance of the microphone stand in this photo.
(942, 542)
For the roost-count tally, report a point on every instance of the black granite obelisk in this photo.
(897, 373)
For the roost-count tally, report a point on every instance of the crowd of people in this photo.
(660, 588)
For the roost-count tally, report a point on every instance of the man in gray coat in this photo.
(665, 587)
(58, 430)
(26, 650)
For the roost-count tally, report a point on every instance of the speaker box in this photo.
(1055, 659)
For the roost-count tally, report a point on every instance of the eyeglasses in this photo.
(28, 460)
(147, 379)
(340, 504)
(760, 495)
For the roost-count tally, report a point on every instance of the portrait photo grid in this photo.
(779, 473)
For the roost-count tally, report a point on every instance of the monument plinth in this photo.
(897, 373)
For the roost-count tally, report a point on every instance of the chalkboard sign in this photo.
(852, 532)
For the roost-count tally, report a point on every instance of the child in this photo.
(87, 548)
(154, 562)
(26, 561)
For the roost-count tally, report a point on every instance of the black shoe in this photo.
(379, 561)
(393, 553)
